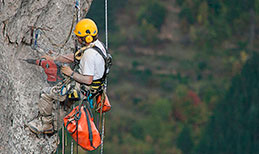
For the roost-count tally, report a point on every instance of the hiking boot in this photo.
(41, 125)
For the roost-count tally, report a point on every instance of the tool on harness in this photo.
(51, 68)
(90, 100)
(79, 123)
(74, 95)
(69, 89)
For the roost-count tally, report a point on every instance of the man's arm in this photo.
(85, 79)
(68, 58)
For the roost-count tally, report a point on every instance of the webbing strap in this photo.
(100, 52)
(105, 61)
(89, 128)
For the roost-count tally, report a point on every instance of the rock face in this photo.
(21, 82)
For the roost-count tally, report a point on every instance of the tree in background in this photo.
(184, 141)
(96, 12)
(233, 129)
(211, 22)
(150, 17)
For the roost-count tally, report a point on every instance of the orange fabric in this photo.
(83, 129)
(106, 107)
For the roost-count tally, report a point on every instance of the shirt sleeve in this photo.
(87, 63)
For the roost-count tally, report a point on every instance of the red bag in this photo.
(106, 105)
(80, 125)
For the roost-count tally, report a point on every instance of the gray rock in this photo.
(20, 83)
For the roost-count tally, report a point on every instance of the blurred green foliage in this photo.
(150, 17)
(152, 12)
(233, 128)
(211, 22)
(96, 12)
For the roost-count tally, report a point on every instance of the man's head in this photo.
(86, 31)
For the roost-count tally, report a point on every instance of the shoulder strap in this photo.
(78, 55)
(100, 52)
(105, 61)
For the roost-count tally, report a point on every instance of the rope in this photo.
(102, 133)
(76, 48)
(63, 140)
(106, 44)
(58, 116)
(106, 24)
(72, 147)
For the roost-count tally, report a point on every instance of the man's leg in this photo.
(47, 98)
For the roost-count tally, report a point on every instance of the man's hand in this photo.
(66, 70)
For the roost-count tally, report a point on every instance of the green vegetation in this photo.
(211, 22)
(152, 12)
(233, 128)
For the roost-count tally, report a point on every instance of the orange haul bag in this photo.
(81, 127)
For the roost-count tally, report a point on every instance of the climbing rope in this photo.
(58, 116)
(63, 140)
(106, 24)
(106, 44)
(77, 6)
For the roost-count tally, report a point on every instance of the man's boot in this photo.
(42, 124)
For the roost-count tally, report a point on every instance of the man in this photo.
(91, 68)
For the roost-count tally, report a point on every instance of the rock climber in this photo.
(90, 71)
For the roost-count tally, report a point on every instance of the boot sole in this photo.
(34, 130)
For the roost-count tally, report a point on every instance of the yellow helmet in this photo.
(86, 28)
